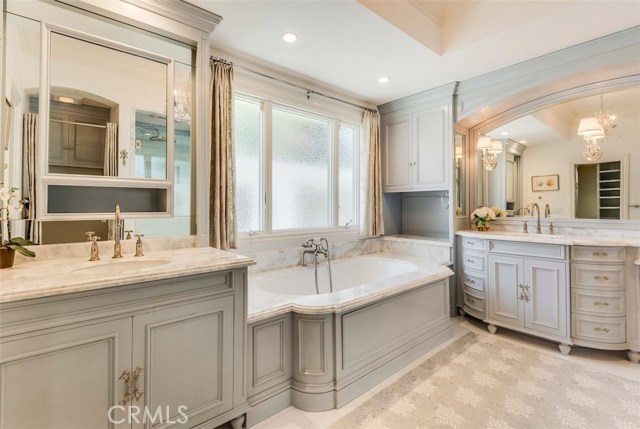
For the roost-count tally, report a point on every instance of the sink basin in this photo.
(119, 266)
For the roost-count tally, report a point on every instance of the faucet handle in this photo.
(128, 231)
(89, 235)
(139, 245)
(525, 228)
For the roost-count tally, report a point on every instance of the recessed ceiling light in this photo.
(66, 100)
(523, 141)
(383, 79)
(505, 133)
(289, 37)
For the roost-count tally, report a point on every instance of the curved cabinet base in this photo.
(634, 356)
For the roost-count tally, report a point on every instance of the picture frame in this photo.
(550, 182)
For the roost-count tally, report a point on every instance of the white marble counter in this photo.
(571, 240)
(48, 277)
(263, 305)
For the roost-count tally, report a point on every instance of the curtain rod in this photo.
(309, 91)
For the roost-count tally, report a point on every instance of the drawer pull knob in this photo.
(600, 254)
(602, 303)
(471, 281)
(599, 329)
(471, 261)
(601, 278)
(472, 301)
(471, 243)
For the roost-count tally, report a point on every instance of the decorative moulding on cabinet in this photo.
(613, 56)
(155, 16)
(424, 97)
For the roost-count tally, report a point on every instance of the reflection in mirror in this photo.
(96, 93)
(553, 147)
(460, 151)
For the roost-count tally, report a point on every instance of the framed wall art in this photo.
(550, 182)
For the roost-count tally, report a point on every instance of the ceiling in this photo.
(346, 45)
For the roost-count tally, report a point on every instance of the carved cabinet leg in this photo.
(492, 328)
(237, 422)
(564, 349)
(461, 312)
(634, 356)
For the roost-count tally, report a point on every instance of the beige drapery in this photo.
(371, 222)
(222, 213)
(29, 141)
(111, 150)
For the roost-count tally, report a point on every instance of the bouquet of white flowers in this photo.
(481, 217)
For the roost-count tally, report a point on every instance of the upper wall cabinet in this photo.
(416, 145)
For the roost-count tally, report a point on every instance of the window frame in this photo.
(337, 116)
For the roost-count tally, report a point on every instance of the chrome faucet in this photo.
(117, 248)
(315, 247)
(536, 208)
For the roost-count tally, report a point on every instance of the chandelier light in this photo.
(490, 150)
(606, 119)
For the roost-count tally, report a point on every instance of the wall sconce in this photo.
(490, 150)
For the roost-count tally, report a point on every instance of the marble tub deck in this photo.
(263, 305)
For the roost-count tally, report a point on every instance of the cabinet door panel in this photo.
(505, 276)
(397, 153)
(86, 143)
(66, 379)
(58, 139)
(431, 148)
(547, 305)
(187, 356)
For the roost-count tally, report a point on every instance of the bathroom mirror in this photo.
(460, 148)
(543, 147)
(91, 79)
(95, 94)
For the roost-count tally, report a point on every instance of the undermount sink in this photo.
(119, 266)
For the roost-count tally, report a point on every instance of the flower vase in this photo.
(7, 255)
(482, 227)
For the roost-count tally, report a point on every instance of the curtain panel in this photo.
(29, 141)
(111, 150)
(371, 221)
(222, 213)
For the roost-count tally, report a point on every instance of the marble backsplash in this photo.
(105, 248)
(618, 229)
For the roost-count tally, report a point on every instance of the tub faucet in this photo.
(536, 208)
(117, 248)
(315, 247)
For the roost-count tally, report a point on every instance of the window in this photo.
(295, 169)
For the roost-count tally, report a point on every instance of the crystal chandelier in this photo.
(606, 119)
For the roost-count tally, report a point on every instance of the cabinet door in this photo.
(547, 291)
(397, 157)
(186, 353)
(431, 148)
(504, 291)
(58, 139)
(86, 143)
(66, 379)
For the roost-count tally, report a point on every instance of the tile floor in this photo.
(613, 362)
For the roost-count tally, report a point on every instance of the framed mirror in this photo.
(99, 74)
(544, 160)
(460, 168)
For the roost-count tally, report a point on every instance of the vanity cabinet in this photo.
(415, 150)
(598, 298)
(472, 258)
(172, 347)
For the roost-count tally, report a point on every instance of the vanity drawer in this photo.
(598, 329)
(474, 302)
(603, 277)
(474, 281)
(523, 248)
(475, 261)
(472, 243)
(594, 303)
(598, 254)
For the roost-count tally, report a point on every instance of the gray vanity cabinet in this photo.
(62, 358)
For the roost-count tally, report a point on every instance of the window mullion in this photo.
(267, 137)
(334, 184)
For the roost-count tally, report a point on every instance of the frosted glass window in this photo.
(248, 146)
(301, 150)
(346, 174)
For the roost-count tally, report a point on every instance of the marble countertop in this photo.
(571, 240)
(263, 305)
(50, 277)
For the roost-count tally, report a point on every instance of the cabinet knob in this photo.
(471, 261)
(471, 281)
(603, 254)
(600, 303)
(599, 329)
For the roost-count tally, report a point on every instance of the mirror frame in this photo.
(42, 150)
(595, 88)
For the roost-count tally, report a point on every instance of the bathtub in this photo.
(318, 351)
